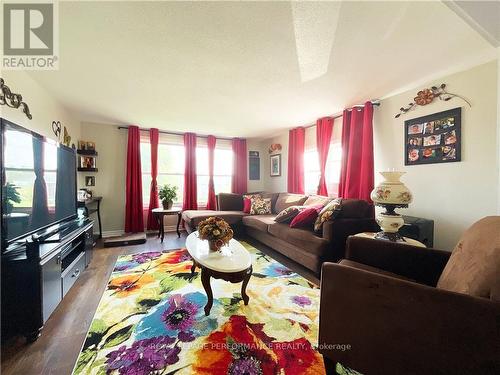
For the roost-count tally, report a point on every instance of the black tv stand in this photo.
(38, 271)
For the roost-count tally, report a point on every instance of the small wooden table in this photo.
(407, 240)
(232, 263)
(160, 213)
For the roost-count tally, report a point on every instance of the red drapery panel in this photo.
(357, 175)
(296, 140)
(153, 195)
(190, 201)
(324, 127)
(211, 202)
(134, 221)
(239, 180)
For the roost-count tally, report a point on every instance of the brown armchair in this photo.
(407, 310)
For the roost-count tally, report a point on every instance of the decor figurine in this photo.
(167, 194)
(13, 100)
(391, 194)
(216, 231)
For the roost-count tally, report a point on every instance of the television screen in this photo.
(39, 182)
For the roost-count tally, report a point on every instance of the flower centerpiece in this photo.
(216, 231)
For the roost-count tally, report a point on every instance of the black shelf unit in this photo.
(87, 152)
(81, 169)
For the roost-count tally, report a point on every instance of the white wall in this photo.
(276, 184)
(455, 195)
(43, 107)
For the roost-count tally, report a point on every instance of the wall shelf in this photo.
(80, 169)
(87, 152)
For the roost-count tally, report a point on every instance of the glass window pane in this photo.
(146, 189)
(176, 180)
(223, 162)
(202, 185)
(201, 163)
(222, 184)
(146, 158)
(171, 159)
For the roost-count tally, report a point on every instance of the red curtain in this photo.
(153, 194)
(324, 127)
(296, 140)
(211, 203)
(239, 180)
(190, 201)
(134, 221)
(356, 176)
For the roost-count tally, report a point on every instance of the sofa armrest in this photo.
(229, 202)
(421, 264)
(337, 231)
(377, 324)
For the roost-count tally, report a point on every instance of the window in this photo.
(171, 169)
(332, 170)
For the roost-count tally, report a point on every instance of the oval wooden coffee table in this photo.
(232, 263)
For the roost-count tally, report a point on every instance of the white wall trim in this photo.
(121, 232)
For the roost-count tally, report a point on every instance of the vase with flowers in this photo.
(216, 231)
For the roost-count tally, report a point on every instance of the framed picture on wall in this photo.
(275, 166)
(435, 138)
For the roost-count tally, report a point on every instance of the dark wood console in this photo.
(37, 274)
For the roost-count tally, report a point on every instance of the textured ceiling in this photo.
(247, 68)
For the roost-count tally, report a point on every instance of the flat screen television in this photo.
(38, 182)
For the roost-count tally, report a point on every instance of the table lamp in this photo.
(391, 194)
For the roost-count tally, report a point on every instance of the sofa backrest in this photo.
(356, 209)
(229, 202)
(313, 200)
(474, 265)
(286, 200)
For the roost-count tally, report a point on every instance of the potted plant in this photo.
(167, 194)
(216, 231)
(11, 196)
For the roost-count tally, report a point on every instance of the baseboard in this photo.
(112, 233)
(120, 232)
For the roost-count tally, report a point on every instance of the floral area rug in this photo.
(151, 321)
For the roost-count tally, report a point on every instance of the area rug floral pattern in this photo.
(151, 321)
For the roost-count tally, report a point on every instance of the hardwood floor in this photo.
(56, 351)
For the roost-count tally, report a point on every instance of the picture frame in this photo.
(87, 162)
(90, 146)
(82, 145)
(89, 180)
(434, 139)
(275, 165)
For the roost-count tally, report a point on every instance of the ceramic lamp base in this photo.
(389, 222)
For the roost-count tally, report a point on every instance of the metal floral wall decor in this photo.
(12, 100)
(427, 96)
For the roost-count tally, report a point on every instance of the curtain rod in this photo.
(374, 102)
(179, 133)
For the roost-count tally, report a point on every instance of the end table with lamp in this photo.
(160, 213)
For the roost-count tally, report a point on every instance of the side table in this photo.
(160, 213)
(407, 241)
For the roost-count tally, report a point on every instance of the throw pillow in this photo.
(306, 217)
(247, 202)
(288, 214)
(329, 212)
(260, 206)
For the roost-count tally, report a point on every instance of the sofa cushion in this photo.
(474, 265)
(247, 202)
(306, 217)
(288, 214)
(299, 237)
(273, 197)
(193, 217)
(355, 209)
(260, 222)
(329, 212)
(314, 200)
(260, 206)
(365, 267)
(287, 199)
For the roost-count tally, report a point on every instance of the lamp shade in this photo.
(391, 191)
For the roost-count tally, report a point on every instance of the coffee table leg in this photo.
(178, 223)
(162, 226)
(244, 286)
(159, 224)
(205, 280)
(193, 267)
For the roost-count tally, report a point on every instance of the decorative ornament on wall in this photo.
(12, 100)
(427, 96)
(275, 147)
(56, 128)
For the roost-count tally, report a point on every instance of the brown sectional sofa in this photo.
(301, 245)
